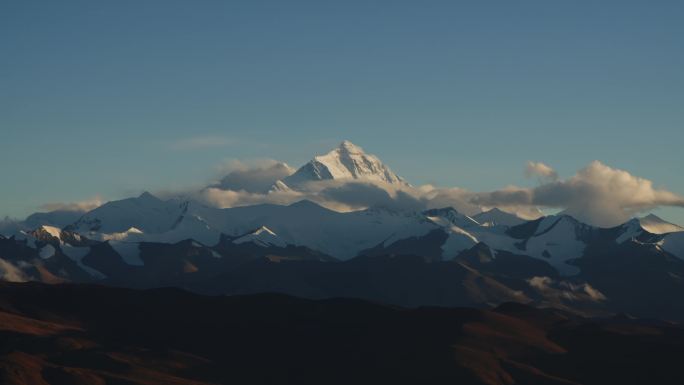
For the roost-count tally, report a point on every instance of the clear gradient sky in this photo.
(112, 98)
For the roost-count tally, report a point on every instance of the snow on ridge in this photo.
(498, 217)
(263, 236)
(122, 236)
(52, 230)
(128, 251)
(449, 216)
(632, 230)
(77, 254)
(557, 245)
(457, 241)
(656, 225)
(146, 213)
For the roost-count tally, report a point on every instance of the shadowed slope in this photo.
(71, 334)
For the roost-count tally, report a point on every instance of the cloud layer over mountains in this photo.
(597, 194)
(257, 178)
(80, 206)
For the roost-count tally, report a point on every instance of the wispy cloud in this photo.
(80, 206)
(541, 171)
(200, 143)
(256, 176)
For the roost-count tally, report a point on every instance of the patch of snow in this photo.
(632, 230)
(129, 252)
(280, 186)
(557, 246)
(47, 251)
(146, 213)
(656, 225)
(457, 241)
(263, 236)
(57, 218)
(191, 227)
(555, 242)
(448, 216)
(77, 254)
(128, 235)
(546, 223)
(53, 231)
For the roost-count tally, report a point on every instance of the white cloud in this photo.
(233, 198)
(541, 171)
(597, 194)
(80, 206)
(257, 177)
(335, 195)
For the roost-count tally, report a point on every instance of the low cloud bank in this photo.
(257, 178)
(597, 194)
(80, 206)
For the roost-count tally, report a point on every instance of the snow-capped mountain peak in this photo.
(263, 236)
(146, 213)
(51, 230)
(264, 229)
(350, 147)
(44, 234)
(347, 161)
(498, 217)
(656, 225)
(146, 196)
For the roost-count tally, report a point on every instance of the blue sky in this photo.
(110, 98)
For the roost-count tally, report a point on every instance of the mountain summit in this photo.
(347, 161)
(657, 225)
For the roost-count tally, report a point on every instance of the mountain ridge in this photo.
(407, 256)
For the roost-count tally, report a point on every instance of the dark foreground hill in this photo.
(81, 334)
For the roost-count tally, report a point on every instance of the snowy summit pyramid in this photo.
(347, 161)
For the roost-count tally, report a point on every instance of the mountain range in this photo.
(437, 256)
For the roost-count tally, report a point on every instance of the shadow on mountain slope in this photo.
(78, 334)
